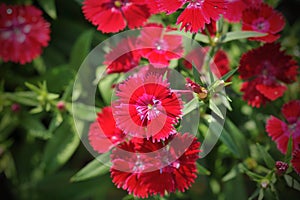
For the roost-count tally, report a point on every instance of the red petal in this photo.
(136, 15)
(192, 19)
(271, 92)
(291, 111)
(296, 160)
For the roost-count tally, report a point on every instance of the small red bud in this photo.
(15, 107)
(61, 105)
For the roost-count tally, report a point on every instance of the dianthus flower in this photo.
(266, 70)
(158, 46)
(111, 16)
(123, 57)
(263, 18)
(197, 12)
(147, 107)
(103, 133)
(149, 168)
(23, 33)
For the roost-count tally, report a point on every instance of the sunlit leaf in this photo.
(237, 35)
(49, 7)
(93, 168)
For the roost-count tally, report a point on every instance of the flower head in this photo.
(123, 57)
(281, 167)
(265, 70)
(147, 107)
(197, 12)
(235, 9)
(111, 16)
(158, 46)
(280, 131)
(23, 33)
(155, 168)
(264, 19)
(103, 133)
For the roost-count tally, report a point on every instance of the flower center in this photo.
(148, 107)
(196, 3)
(118, 4)
(261, 25)
(160, 45)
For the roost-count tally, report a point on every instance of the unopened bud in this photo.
(15, 107)
(281, 167)
(264, 183)
(199, 90)
(61, 105)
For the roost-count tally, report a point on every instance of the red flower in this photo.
(147, 107)
(219, 66)
(196, 14)
(159, 47)
(123, 57)
(280, 131)
(265, 69)
(264, 19)
(23, 33)
(235, 8)
(103, 133)
(296, 160)
(211, 28)
(113, 15)
(155, 168)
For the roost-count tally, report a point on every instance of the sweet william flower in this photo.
(280, 131)
(123, 57)
(197, 12)
(146, 107)
(266, 70)
(103, 133)
(23, 33)
(235, 9)
(263, 18)
(158, 46)
(111, 16)
(155, 168)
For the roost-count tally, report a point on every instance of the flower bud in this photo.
(281, 167)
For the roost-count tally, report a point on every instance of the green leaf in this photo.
(190, 106)
(61, 146)
(202, 38)
(270, 162)
(8, 123)
(199, 36)
(49, 7)
(227, 140)
(231, 174)
(215, 109)
(238, 137)
(291, 182)
(229, 74)
(197, 76)
(237, 35)
(93, 168)
(35, 128)
(84, 112)
(81, 49)
(202, 170)
(288, 155)
(261, 194)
